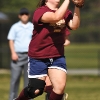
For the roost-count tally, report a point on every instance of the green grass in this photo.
(78, 87)
(83, 88)
(82, 55)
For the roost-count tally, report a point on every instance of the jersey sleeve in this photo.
(68, 17)
(67, 32)
(38, 14)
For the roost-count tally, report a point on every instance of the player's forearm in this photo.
(76, 19)
(11, 45)
(62, 10)
(53, 17)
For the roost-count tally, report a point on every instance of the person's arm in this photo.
(14, 55)
(75, 22)
(67, 41)
(53, 17)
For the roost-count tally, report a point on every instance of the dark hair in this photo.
(41, 3)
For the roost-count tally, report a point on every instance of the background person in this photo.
(19, 38)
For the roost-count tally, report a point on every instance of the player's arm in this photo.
(75, 22)
(67, 41)
(14, 56)
(52, 17)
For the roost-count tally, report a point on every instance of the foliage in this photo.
(15, 5)
(87, 32)
(89, 29)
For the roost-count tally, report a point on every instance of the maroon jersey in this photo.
(48, 38)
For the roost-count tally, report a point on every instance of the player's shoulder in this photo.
(68, 11)
(42, 8)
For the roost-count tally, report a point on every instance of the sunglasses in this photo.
(24, 14)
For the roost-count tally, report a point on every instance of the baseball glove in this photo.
(78, 3)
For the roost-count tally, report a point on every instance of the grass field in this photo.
(82, 55)
(78, 56)
(78, 87)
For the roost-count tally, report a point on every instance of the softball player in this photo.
(46, 49)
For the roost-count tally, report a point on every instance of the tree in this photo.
(15, 5)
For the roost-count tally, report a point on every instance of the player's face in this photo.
(24, 18)
(54, 2)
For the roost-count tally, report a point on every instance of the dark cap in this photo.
(24, 11)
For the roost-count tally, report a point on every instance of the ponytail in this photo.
(41, 3)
